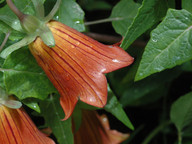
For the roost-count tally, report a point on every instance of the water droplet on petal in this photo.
(77, 43)
(72, 46)
(92, 99)
(115, 60)
(104, 119)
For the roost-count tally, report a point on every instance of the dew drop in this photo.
(77, 22)
(72, 46)
(154, 37)
(77, 43)
(92, 99)
(57, 17)
(16, 22)
(110, 46)
(115, 60)
(141, 74)
(104, 119)
(178, 58)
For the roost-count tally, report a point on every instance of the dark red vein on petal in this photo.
(82, 50)
(74, 71)
(77, 64)
(29, 123)
(4, 129)
(83, 43)
(10, 127)
(17, 128)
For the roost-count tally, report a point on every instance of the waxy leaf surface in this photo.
(123, 14)
(71, 14)
(148, 14)
(170, 44)
(24, 78)
(115, 108)
(181, 111)
(53, 113)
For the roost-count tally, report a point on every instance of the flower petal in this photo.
(77, 64)
(95, 130)
(17, 128)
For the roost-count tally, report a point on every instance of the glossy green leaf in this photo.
(71, 14)
(148, 14)
(24, 78)
(123, 14)
(170, 44)
(187, 4)
(8, 17)
(14, 35)
(115, 108)
(181, 111)
(53, 114)
(32, 103)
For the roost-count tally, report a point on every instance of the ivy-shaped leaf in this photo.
(148, 14)
(115, 108)
(24, 78)
(123, 14)
(170, 44)
(181, 111)
(71, 14)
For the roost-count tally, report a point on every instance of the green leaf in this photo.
(8, 17)
(187, 4)
(14, 35)
(149, 89)
(124, 13)
(53, 114)
(148, 14)
(31, 103)
(115, 108)
(170, 44)
(24, 78)
(71, 14)
(181, 111)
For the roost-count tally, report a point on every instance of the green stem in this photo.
(103, 21)
(18, 13)
(155, 132)
(5, 40)
(53, 11)
(39, 8)
(179, 137)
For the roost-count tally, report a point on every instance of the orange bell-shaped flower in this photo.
(95, 129)
(77, 64)
(17, 128)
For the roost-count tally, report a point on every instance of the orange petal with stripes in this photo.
(77, 64)
(17, 128)
(95, 129)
